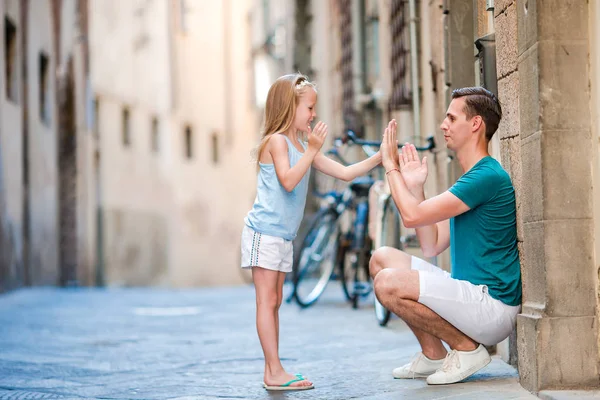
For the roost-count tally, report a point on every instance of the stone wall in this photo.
(547, 142)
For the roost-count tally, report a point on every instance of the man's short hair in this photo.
(482, 102)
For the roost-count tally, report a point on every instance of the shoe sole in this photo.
(465, 374)
(415, 376)
(287, 388)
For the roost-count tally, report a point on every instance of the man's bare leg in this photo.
(398, 290)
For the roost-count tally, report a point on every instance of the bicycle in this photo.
(326, 246)
(389, 233)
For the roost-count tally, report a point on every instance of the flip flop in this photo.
(286, 386)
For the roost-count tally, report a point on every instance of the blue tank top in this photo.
(277, 212)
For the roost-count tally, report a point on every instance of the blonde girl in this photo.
(284, 162)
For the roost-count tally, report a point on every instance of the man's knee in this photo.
(382, 284)
(396, 284)
(387, 257)
(376, 261)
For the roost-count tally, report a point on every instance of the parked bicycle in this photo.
(327, 246)
(390, 232)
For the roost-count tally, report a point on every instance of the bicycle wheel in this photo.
(389, 236)
(315, 261)
(301, 241)
(356, 283)
(354, 261)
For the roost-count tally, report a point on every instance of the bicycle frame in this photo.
(385, 204)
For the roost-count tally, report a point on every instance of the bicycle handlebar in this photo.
(350, 136)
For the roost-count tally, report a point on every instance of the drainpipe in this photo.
(489, 7)
(358, 67)
(414, 71)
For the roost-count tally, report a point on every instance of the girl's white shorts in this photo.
(269, 252)
(468, 307)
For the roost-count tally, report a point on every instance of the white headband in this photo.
(302, 84)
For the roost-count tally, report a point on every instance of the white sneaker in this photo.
(419, 367)
(459, 365)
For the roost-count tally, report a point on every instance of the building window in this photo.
(183, 9)
(44, 87)
(126, 127)
(303, 38)
(155, 135)
(266, 15)
(401, 95)
(349, 114)
(10, 60)
(372, 44)
(215, 148)
(96, 117)
(189, 142)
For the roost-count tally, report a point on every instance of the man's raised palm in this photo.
(414, 171)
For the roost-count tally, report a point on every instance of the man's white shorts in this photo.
(269, 252)
(466, 306)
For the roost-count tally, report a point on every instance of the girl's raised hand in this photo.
(389, 147)
(316, 137)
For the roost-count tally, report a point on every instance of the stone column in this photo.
(558, 329)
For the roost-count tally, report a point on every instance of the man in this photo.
(478, 303)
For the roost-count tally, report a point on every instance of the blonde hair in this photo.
(280, 109)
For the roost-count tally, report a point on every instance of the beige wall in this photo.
(43, 162)
(72, 49)
(38, 262)
(170, 219)
(11, 145)
(213, 96)
(129, 66)
(557, 329)
(595, 94)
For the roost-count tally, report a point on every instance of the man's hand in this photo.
(389, 147)
(414, 171)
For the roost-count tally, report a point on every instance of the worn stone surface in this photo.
(500, 6)
(527, 338)
(566, 352)
(202, 344)
(512, 163)
(538, 21)
(529, 93)
(564, 88)
(566, 170)
(569, 394)
(532, 196)
(533, 265)
(569, 267)
(508, 93)
(506, 41)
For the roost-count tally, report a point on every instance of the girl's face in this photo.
(306, 112)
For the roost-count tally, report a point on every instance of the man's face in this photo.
(457, 129)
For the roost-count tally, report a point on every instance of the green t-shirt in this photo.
(483, 240)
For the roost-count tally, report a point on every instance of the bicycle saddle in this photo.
(361, 185)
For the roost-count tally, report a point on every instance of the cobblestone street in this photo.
(202, 344)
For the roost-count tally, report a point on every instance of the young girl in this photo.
(284, 163)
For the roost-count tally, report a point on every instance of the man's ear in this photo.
(476, 123)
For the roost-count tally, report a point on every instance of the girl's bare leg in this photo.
(269, 285)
